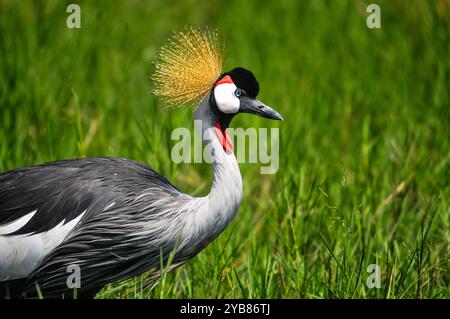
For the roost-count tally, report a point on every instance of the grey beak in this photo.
(255, 106)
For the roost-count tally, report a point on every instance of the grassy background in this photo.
(364, 163)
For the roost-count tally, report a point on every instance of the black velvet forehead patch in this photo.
(245, 80)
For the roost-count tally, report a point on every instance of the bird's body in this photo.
(112, 217)
(115, 218)
(74, 209)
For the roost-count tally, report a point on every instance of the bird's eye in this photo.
(238, 92)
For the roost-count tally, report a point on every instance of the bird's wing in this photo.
(41, 205)
(37, 199)
(129, 237)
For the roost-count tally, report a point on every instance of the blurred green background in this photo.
(364, 148)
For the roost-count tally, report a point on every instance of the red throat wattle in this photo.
(224, 138)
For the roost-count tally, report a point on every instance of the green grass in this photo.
(364, 150)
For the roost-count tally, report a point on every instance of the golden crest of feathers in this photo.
(188, 66)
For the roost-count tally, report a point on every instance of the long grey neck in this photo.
(227, 183)
(212, 213)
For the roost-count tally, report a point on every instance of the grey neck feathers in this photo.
(227, 181)
(212, 213)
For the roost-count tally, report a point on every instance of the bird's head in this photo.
(190, 71)
(235, 92)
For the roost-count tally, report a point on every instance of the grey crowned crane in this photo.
(115, 218)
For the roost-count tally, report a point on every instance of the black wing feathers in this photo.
(62, 190)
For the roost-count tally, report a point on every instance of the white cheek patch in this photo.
(226, 101)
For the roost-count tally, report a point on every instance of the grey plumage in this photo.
(119, 198)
